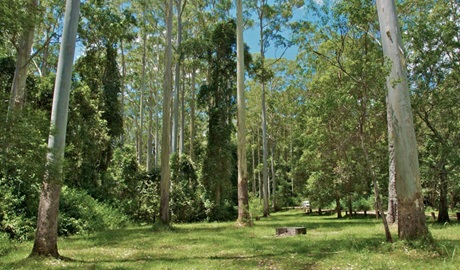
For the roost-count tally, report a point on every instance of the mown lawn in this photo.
(329, 244)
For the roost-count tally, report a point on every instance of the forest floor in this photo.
(330, 243)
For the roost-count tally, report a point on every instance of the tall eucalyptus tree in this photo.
(45, 243)
(243, 201)
(166, 138)
(411, 214)
(23, 49)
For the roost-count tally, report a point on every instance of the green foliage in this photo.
(364, 204)
(80, 213)
(14, 219)
(186, 195)
(22, 157)
(123, 183)
(256, 207)
(148, 197)
(111, 92)
(7, 67)
(224, 211)
(218, 96)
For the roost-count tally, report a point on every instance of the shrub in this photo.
(186, 202)
(256, 207)
(148, 197)
(219, 212)
(81, 213)
(363, 204)
(13, 219)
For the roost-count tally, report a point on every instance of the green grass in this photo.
(329, 244)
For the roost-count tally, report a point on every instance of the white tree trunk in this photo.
(175, 131)
(165, 143)
(411, 216)
(141, 102)
(265, 191)
(150, 158)
(243, 200)
(392, 215)
(24, 48)
(182, 119)
(45, 243)
(192, 114)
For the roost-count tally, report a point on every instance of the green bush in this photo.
(256, 207)
(220, 212)
(148, 197)
(186, 203)
(13, 219)
(363, 204)
(80, 213)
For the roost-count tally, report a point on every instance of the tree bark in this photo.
(123, 78)
(243, 197)
(411, 215)
(45, 243)
(24, 48)
(264, 127)
(175, 130)
(182, 119)
(254, 173)
(443, 203)
(141, 102)
(274, 205)
(392, 215)
(165, 143)
(150, 158)
(192, 115)
(157, 130)
(338, 207)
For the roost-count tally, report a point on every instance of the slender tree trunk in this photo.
(264, 134)
(175, 130)
(24, 48)
(443, 190)
(45, 243)
(243, 197)
(291, 152)
(149, 161)
(392, 215)
(141, 102)
(411, 214)
(123, 78)
(46, 53)
(350, 206)
(182, 120)
(259, 176)
(254, 173)
(274, 206)
(165, 143)
(157, 131)
(192, 115)
(376, 190)
(338, 207)
(264, 156)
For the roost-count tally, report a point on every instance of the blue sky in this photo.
(251, 38)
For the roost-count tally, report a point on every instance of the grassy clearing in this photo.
(329, 244)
